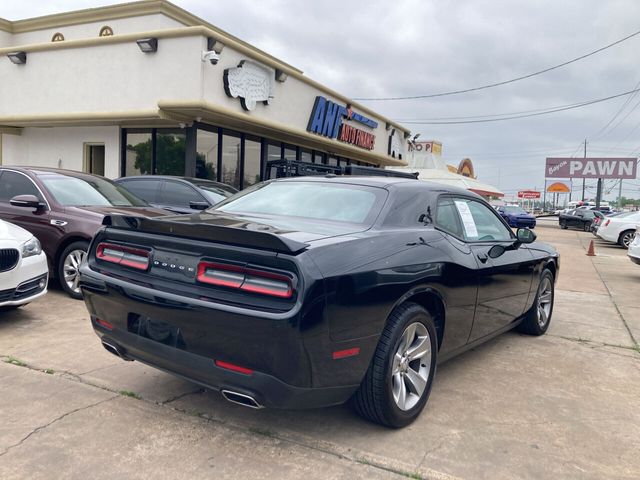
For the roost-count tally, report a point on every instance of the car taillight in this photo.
(607, 223)
(122, 255)
(246, 279)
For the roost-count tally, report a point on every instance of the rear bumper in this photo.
(186, 337)
(267, 390)
(607, 235)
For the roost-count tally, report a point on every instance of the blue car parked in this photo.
(517, 217)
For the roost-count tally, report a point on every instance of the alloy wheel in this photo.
(627, 238)
(71, 269)
(411, 366)
(545, 301)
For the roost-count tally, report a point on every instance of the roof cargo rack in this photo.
(378, 172)
(291, 168)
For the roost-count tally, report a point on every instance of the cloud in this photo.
(378, 48)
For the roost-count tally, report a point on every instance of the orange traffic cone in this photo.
(591, 251)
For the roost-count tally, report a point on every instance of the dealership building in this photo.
(149, 88)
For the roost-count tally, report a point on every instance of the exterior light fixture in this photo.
(19, 58)
(148, 45)
(214, 45)
(281, 76)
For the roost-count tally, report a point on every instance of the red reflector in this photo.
(121, 255)
(233, 368)
(607, 223)
(104, 324)
(349, 352)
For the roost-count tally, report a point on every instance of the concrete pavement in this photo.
(565, 405)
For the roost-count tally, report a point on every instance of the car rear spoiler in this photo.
(202, 231)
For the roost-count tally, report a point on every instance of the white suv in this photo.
(23, 266)
(619, 229)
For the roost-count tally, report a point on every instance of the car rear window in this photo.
(317, 200)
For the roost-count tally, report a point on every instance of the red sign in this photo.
(591, 168)
(528, 194)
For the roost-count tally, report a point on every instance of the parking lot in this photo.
(564, 405)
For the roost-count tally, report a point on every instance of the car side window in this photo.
(179, 194)
(479, 222)
(12, 184)
(447, 217)
(145, 189)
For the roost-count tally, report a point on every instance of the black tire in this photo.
(80, 245)
(374, 399)
(563, 225)
(626, 238)
(532, 323)
(586, 227)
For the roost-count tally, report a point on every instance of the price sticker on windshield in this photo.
(468, 222)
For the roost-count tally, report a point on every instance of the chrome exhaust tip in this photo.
(115, 351)
(241, 399)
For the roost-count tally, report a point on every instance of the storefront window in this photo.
(170, 152)
(274, 151)
(251, 161)
(305, 155)
(319, 157)
(231, 156)
(332, 161)
(138, 153)
(207, 155)
(290, 152)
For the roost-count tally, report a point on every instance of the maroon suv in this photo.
(64, 209)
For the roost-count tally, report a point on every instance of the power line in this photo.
(602, 131)
(511, 116)
(497, 84)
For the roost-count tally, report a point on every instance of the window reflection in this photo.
(207, 155)
(251, 162)
(230, 173)
(170, 152)
(138, 154)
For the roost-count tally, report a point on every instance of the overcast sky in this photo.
(418, 47)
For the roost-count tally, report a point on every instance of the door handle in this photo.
(483, 257)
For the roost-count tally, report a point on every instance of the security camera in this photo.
(210, 56)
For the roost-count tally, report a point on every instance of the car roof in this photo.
(192, 180)
(46, 171)
(383, 182)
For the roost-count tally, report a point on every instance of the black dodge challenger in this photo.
(308, 292)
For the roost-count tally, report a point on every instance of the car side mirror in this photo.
(525, 235)
(199, 205)
(26, 201)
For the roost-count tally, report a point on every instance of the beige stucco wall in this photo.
(120, 26)
(61, 147)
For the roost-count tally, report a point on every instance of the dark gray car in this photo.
(177, 194)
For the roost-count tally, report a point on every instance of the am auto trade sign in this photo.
(591, 168)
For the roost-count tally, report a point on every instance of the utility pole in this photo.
(620, 195)
(585, 156)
